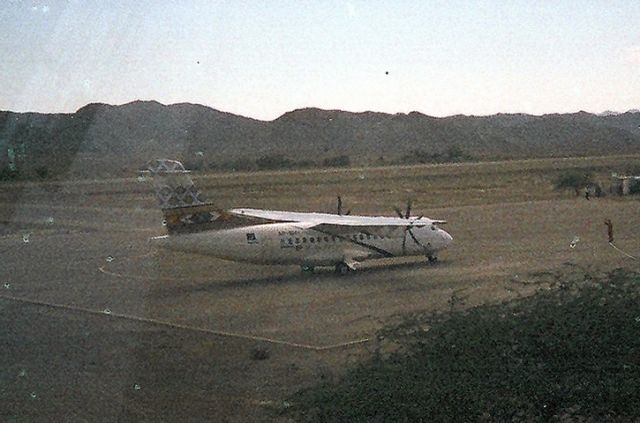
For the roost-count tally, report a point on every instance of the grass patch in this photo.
(568, 352)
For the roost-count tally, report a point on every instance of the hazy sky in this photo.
(261, 59)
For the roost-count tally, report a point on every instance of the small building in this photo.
(624, 184)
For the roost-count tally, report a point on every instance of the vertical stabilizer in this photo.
(181, 202)
(174, 186)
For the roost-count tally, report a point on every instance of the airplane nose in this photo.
(446, 237)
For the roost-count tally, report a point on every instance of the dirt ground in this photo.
(98, 326)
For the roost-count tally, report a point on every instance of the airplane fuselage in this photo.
(288, 243)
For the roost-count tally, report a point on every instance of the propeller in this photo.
(407, 229)
(407, 213)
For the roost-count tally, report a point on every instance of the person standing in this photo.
(609, 224)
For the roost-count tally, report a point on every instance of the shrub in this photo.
(42, 172)
(452, 154)
(569, 351)
(7, 174)
(272, 162)
(259, 353)
(240, 165)
(337, 161)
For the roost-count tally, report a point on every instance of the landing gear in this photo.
(342, 269)
(307, 269)
(432, 259)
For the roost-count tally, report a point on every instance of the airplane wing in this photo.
(310, 220)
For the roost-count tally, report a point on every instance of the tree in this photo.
(573, 179)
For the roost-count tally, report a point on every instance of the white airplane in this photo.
(283, 237)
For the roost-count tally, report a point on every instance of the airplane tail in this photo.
(182, 204)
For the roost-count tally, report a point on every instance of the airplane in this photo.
(285, 237)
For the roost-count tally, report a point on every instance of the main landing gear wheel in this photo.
(432, 259)
(342, 269)
(306, 268)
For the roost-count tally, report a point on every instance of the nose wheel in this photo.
(432, 259)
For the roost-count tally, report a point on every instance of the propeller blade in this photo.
(399, 212)
(404, 242)
(414, 238)
(339, 206)
(408, 209)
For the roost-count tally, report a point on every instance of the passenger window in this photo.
(312, 239)
(326, 239)
(334, 238)
(304, 239)
(297, 240)
(368, 236)
(361, 237)
(290, 241)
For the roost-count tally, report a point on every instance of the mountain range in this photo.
(106, 140)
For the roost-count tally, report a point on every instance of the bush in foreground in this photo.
(570, 352)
